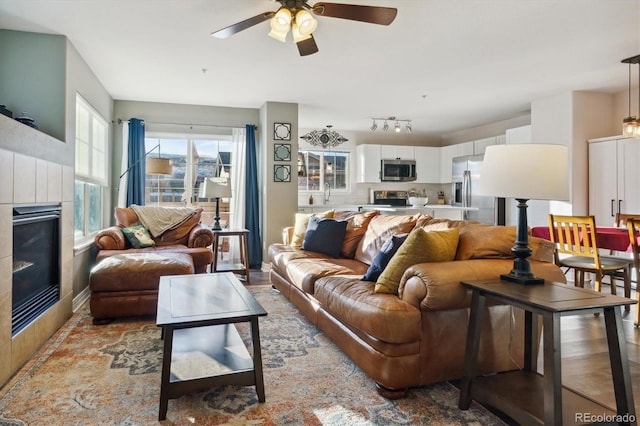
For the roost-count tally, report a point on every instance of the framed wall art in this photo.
(282, 152)
(282, 173)
(282, 131)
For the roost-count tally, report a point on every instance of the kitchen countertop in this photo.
(389, 208)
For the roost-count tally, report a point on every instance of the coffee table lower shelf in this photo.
(205, 357)
(520, 395)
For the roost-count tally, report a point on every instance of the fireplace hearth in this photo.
(36, 262)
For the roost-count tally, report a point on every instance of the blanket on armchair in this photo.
(159, 219)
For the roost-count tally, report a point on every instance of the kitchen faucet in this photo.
(327, 192)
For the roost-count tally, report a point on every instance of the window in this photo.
(91, 169)
(193, 159)
(319, 168)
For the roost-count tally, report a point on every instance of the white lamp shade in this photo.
(525, 171)
(159, 166)
(214, 187)
(306, 23)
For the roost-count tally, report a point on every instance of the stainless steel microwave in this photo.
(397, 170)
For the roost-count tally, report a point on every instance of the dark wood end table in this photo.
(202, 348)
(241, 268)
(525, 395)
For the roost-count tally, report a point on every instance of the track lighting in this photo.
(396, 127)
(631, 124)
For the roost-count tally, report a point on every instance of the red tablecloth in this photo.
(608, 237)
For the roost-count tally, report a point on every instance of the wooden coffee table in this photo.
(202, 347)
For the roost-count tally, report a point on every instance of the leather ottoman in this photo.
(126, 285)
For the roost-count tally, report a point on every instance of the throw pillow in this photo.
(420, 247)
(324, 236)
(138, 236)
(383, 257)
(301, 223)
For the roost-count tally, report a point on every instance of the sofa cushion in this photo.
(420, 247)
(385, 317)
(358, 222)
(301, 223)
(380, 229)
(138, 236)
(384, 256)
(305, 272)
(324, 236)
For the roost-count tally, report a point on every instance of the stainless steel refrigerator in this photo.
(465, 177)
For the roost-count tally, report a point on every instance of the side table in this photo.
(525, 395)
(241, 268)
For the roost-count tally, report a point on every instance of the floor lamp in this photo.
(214, 187)
(525, 172)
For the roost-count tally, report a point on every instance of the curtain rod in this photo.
(120, 121)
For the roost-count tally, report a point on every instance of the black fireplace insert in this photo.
(36, 262)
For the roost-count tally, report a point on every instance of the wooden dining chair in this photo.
(622, 218)
(633, 225)
(577, 248)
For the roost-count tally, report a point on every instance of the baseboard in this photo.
(266, 267)
(80, 299)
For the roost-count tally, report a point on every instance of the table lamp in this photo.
(525, 172)
(215, 187)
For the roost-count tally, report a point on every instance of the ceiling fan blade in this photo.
(242, 25)
(371, 14)
(307, 47)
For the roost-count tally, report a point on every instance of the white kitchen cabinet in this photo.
(480, 145)
(448, 213)
(520, 134)
(368, 163)
(400, 152)
(465, 148)
(614, 178)
(427, 164)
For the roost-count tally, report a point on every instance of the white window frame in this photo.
(348, 182)
(98, 168)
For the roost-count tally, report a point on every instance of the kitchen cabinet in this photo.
(427, 164)
(480, 145)
(614, 177)
(398, 152)
(368, 163)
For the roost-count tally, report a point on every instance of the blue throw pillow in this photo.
(389, 248)
(325, 236)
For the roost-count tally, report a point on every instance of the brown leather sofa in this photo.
(125, 280)
(189, 237)
(418, 336)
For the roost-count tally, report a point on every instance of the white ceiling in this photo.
(445, 64)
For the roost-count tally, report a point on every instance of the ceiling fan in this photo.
(296, 15)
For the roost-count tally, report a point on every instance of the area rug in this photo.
(110, 375)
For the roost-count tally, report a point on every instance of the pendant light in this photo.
(631, 124)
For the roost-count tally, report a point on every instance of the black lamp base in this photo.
(216, 223)
(518, 279)
(521, 272)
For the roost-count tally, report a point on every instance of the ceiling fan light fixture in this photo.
(297, 35)
(280, 24)
(307, 24)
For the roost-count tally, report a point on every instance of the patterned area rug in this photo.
(110, 375)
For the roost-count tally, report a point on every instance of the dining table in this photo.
(609, 237)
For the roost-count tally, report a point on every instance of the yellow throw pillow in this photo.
(300, 227)
(420, 247)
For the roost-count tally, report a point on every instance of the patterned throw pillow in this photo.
(419, 247)
(138, 236)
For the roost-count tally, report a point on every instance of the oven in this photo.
(390, 198)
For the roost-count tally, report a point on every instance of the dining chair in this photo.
(633, 225)
(622, 218)
(576, 247)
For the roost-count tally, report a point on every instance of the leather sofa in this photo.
(416, 337)
(189, 237)
(125, 280)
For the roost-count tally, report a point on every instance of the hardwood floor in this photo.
(585, 357)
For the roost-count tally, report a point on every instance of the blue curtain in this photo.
(136, 162)
(252, 216)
